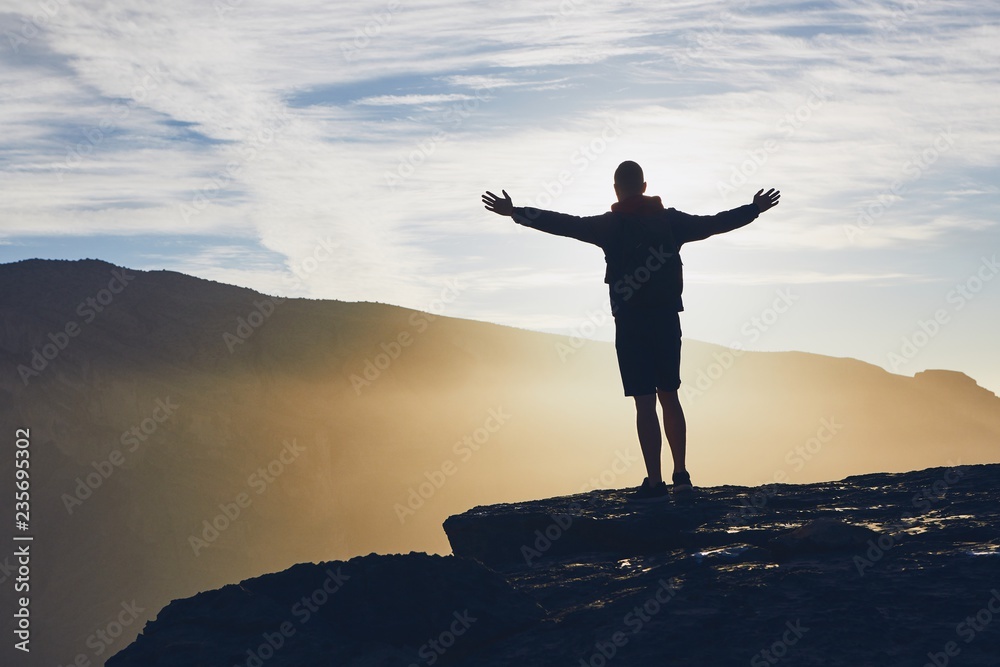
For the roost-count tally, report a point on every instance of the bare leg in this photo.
(648, 427)
(675, 427)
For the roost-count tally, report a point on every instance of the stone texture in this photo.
(881, 569)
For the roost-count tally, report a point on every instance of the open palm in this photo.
(766, 200)
(499, 206)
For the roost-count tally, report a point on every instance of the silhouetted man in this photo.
(641, 242)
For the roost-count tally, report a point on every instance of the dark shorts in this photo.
(648, 343)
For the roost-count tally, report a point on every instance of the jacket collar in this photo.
(638, 204)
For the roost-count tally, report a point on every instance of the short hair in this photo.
(628, 176)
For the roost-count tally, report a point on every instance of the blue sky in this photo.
(338, 150)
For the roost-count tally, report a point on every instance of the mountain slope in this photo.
(187, 433)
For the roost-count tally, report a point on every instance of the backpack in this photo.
(644, 265)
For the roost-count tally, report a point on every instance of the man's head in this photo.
(628, 180)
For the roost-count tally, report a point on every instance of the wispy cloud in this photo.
(802, 278)
(378, 125)
(422, 100)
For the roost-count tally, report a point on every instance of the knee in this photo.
(645, 403)
(667, 395)
(669, 399)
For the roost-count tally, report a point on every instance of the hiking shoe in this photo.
(682, 482)
(647, 493)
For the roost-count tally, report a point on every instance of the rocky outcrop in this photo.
(369, 610)
(881, 569)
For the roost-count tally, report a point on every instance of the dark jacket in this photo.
(639, 222)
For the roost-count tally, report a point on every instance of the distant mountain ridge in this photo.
(162, 450)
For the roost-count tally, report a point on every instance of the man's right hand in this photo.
(499, 206)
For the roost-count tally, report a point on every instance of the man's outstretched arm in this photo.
(697, 227)
(590, 229)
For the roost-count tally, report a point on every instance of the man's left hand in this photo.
(766, 200)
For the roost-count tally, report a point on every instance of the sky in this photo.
(335, 150)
